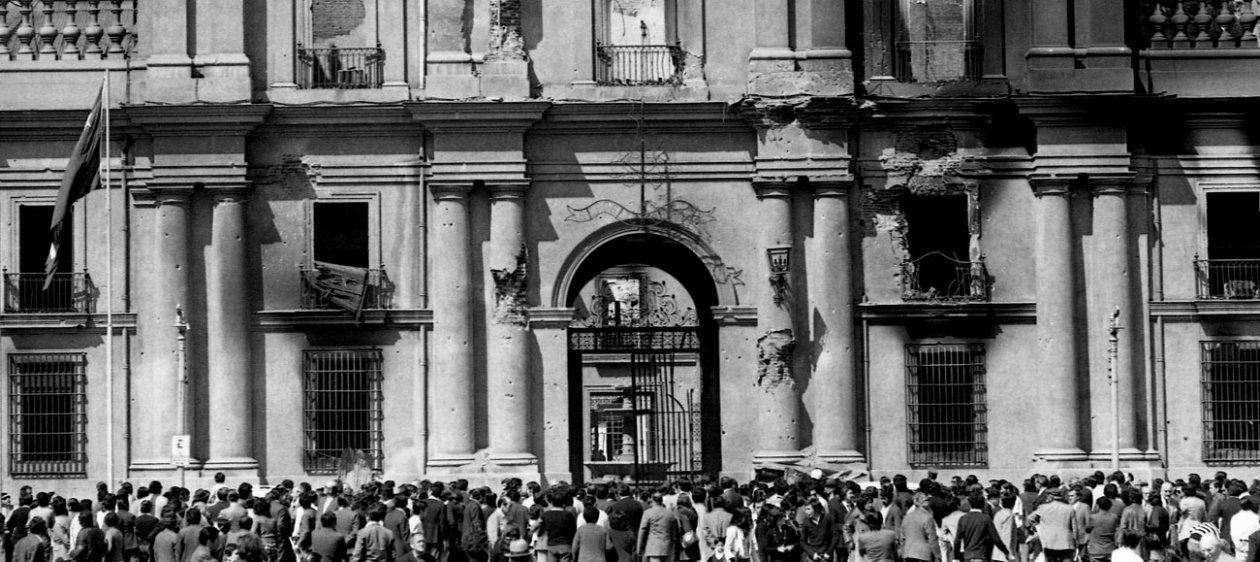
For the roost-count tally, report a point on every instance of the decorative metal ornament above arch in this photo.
(723, 281)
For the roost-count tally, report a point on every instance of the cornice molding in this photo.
(65, 324)
(477, 117)
(198, 120)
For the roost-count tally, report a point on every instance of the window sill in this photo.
(988, 86)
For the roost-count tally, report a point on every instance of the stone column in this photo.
(1112, 256)
(834, 382)
(227, 335)
(451, 384)
(1056, 321)
(507, 354)
(778, 404)
(154, 423)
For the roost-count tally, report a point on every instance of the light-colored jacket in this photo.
(658, 532)
(1057, 528)
(918, 535)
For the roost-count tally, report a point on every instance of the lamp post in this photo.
(181, 380)
(1113, 360)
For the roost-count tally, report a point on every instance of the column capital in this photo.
(450, 191)
(1110, 185)
(773, 188)
(831, 187)
(1053, 186)
(230, 194)
(168, 195)
(507, 191)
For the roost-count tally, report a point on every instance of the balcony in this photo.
(1227, 279)
(67, 294)
(377, 291)
(339, 68)
(1199, 48)
(66, 30)
(638, 65)
(935, 277)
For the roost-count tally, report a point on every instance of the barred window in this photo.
(47, 415)
(342, 421)
(945, 403)
(1231, 401)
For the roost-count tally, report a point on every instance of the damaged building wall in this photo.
(922, 161)
(341, 23)
(510, 290)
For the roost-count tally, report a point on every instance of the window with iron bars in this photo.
(47, 415)
(1231, 401)
(342, 421)
(945, 404)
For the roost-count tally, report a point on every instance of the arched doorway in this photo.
(643, 366)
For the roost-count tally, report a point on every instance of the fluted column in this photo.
(227, 335)
(452, 439)
(834, 384)
(778, 404)
(154, 422)
(1112, 256)
(1056, 322)
(507, 356)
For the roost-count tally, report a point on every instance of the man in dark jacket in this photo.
(977, 537)
(89, 546)
(818, 542)
(329, 544)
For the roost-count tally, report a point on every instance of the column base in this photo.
(778, 457)
(448, 461)
(161, 465)
(230, 463)
(1127, 455)
(512, 459)
(846, 457)
(1060, 455)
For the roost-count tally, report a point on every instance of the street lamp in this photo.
(780, 266)
(1113, 360)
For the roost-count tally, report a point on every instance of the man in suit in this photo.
(189, 536)
(327, 542)
(374, 543)
(31, 547)
(817, 541)
(918, 533)
(327, 500)
(396, 521)
(1056, 527)
(658, 532)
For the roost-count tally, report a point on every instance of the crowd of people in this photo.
(808, 518)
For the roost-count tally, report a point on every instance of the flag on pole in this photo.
(83, 174)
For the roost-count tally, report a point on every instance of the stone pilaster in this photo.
(449, 65)
(168, 73)
(220, 60)
(231, 427)
(834, 383)
(154, 422)
(1058, 415)
(507, 354)
(451, 398)
(1113, 256)
(778, 401)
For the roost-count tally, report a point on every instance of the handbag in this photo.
(689, 539)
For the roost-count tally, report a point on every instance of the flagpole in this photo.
(109, 291)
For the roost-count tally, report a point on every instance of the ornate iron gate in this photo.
(650, 428)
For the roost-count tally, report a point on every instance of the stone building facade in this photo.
(634, 238)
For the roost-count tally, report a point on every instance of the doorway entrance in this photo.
(643, 366)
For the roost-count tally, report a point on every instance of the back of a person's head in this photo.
(193, 516)
(38, 526)
(591, 515)
(219, 478)
(86, 519)
(377, 512)
(111, 519)
(1104, 503)
(718, 502)
(328, 519)
(657, 498)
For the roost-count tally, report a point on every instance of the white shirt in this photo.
(1125, 555)
(1241, 526)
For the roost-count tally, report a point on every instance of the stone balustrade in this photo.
(66, 29)
(1201, 24)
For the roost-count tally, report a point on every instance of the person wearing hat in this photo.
(518, 551)
(1057, 529)
(1204, 545)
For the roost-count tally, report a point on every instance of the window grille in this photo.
(343, 414)
(945, 403)
(47, 415)
(1231, 401)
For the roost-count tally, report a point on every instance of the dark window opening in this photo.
(938, 238)
(343, 409)
(25, 287)
(1232, 270)
(48, 414)
(1231, 401)
(341, 233)
(945, 391)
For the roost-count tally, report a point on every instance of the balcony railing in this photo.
(935, 277)
(938, 61)
(1227, 279)
(339, 68)
(66, 29)
(638, 65)
(68, 293)
(1214, 24)
(378, 292)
